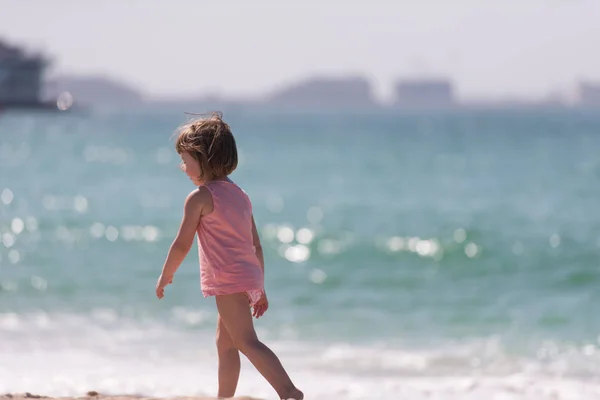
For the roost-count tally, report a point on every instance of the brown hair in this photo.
(210, 141)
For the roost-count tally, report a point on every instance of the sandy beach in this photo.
(97, 396)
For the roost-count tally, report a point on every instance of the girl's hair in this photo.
(210, 141)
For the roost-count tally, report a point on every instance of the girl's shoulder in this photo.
(199, 198)
(228, 180)
(226, 187)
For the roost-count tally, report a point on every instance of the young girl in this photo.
(231, 257)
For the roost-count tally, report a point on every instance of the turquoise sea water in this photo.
(434, 256)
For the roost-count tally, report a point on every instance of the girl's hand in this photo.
(261, 306)
(160, 285)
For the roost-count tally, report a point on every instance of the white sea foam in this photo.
(70, 354)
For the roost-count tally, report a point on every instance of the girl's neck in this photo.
(215, 179)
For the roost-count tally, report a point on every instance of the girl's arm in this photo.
(257, 246)
(192, 211)
(261, 306)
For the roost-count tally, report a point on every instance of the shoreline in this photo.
(93, 395)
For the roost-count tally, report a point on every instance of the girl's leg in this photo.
(234, 311)
(229, 362)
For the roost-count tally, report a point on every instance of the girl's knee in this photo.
(224, 343)
(247, 344)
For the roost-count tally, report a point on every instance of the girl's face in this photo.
(191, 167)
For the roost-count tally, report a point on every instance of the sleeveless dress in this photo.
(228, 262)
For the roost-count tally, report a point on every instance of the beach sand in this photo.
(97, 396)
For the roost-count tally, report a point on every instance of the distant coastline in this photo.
(24, 85)
(312, 94)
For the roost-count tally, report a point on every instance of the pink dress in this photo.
(228, 262)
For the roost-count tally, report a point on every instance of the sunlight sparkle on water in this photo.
(427, 248)
(8, 240)
(472, 250)
(395, 243)
(111, 233)
(285, 234)
(17, 225)
(6, 196)
(318, 276)
(39, 283)
(422, 247)
(14, 256)
(97, 230)
(80, 204)
(304, 236)
(460, 235)
(151, 233)
(297, 253)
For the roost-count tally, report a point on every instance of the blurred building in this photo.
(424, 94)
(589, 95)
(20, 76)
(352, 93)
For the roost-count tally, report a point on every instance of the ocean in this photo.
(418, 256)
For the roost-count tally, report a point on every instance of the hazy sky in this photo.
(490, 47)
